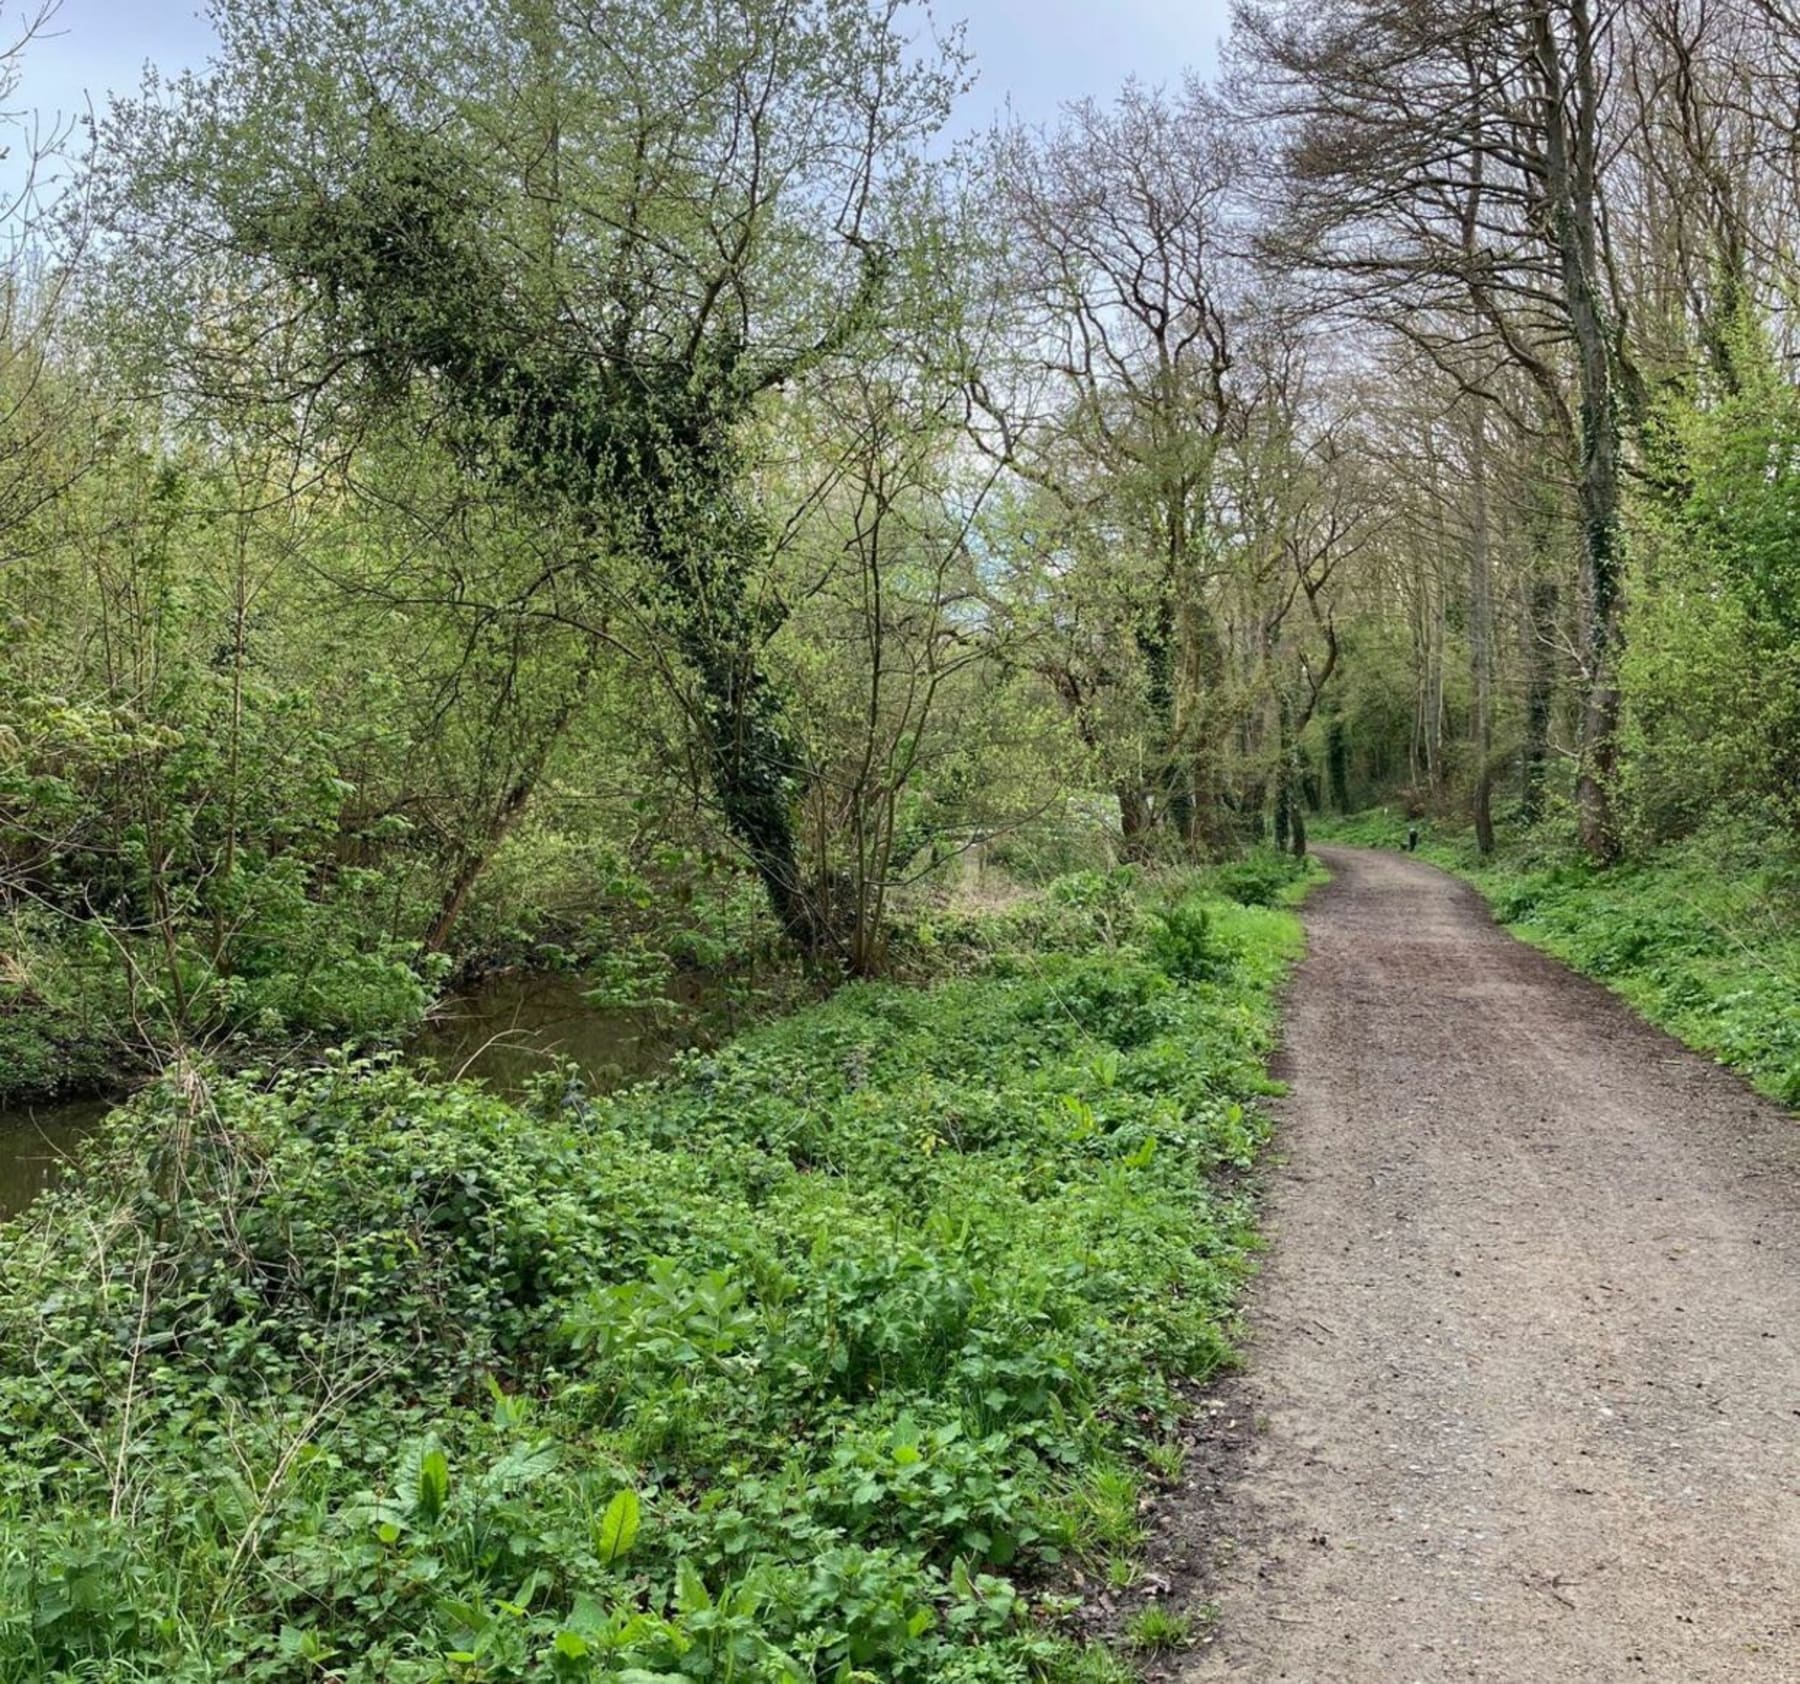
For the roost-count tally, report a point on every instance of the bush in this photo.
(1184, 944)
(1260, 879)
(785, 1367)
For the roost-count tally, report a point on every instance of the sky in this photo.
(1034, 54)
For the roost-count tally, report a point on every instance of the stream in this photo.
(504, 1032)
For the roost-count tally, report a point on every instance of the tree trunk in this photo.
(1571, 116)
(1134, 821)
(1428, 718)
(1481, 635)
(1157, 645)
(1337, 764)
(472, 861)
(1204, 668)
(1290, 822)
(1540, 693)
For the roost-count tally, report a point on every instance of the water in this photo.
(513, 1028)
(504, 1032)
(35, 1141)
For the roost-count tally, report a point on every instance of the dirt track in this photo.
(1525, 1373)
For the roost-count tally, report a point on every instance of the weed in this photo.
(1159, 1630)
(1167, 1460)
(782, 1368)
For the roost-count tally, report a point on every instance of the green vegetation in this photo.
(615, 499)
(1702, 935)
(815, 1360)
(610, 489)
(1160, 1630)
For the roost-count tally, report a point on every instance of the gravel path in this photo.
(1525, 1368)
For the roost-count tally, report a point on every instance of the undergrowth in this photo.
(1701, 935)
(832, 1356)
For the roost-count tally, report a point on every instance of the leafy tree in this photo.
(581, 246)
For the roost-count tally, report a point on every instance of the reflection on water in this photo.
(513, 1028)
(507, 1031)
(35, 1141)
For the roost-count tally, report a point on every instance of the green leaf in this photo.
(619, 1527)
(434, 1483)
(691, 1594)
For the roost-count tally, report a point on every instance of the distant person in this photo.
(1412, 838)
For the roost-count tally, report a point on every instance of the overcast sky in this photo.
(1037, 52)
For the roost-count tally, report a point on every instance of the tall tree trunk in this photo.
(1290, 819)
(1134, 820)
(1337, 764)
(1481, 634)
(1428, 723)
(1157, 644)
(1540, 693)
(474, 860)
(1571, 180)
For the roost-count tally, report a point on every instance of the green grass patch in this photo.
(1160, 1630)
(825, 1358)
(1702, 935)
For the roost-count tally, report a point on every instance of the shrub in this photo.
(788, 1366)
(1259, 879)
(1184, 944)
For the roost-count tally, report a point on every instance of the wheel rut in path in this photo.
(1525, 1354)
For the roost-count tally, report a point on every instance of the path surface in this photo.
(1525, 1371)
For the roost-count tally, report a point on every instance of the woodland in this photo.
(641, 489)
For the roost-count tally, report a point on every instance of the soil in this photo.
(1522, 1396)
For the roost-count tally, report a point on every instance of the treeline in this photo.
(493, 479)
(1565, 237)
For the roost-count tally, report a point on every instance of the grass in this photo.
(809, 1362)
(1159, 1630)
(1701, 935)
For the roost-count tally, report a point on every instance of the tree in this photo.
(1444, 175)
(1119, 402)
(580, 245)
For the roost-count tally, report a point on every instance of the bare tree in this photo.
(1122, 267)
(1443, 171)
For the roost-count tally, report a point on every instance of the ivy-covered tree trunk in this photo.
(1134, 821)
(1540, 694)
(1481, 639)
(1337, 763)
(1157, 645)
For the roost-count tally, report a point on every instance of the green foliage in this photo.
(625, 913)
(1184, 944)
(804, 1363)
(177, 857)
(1700, 935)
(1262, 878)
(1378, 827)
(44, 1054)
(1160, 1630)
(1712, 670)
